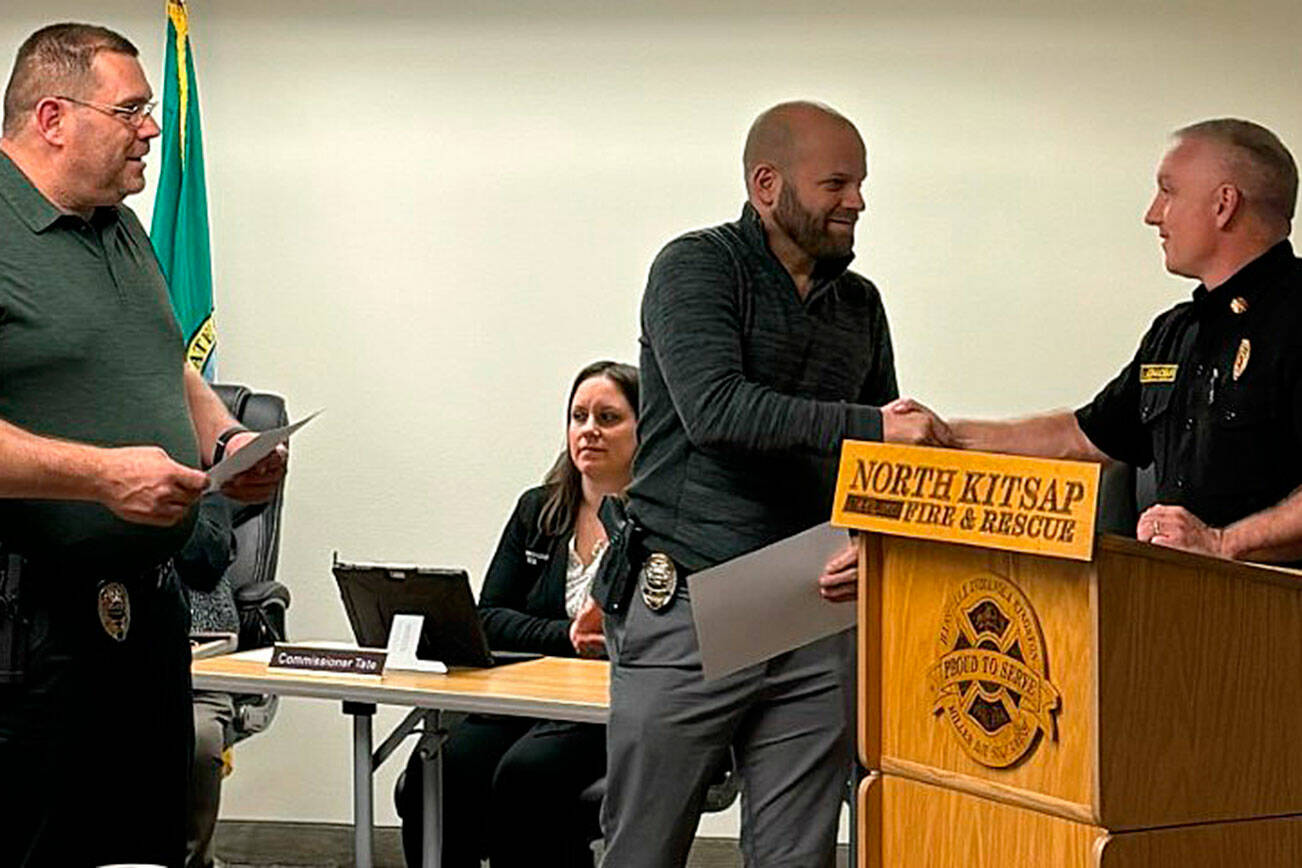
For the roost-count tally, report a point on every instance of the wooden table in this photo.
(552, 687)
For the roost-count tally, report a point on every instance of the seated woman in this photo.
(511, 785)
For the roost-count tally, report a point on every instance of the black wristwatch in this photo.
(219, 451)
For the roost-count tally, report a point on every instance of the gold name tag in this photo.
(1157, 373)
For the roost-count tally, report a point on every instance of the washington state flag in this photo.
(180, 225)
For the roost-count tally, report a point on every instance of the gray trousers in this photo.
(212, 719)
(670, 729)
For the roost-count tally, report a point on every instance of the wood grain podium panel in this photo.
(1058, 772)
(869, 676)
(908, 824)
(1177, 677)
(1270, 843)
(922, 826)
(1200, 694)
(869, 822)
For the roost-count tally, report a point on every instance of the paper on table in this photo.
(766, 602)
(254, 451)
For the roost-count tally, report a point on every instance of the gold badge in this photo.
(990, 683)
(1239, 304)
(114, 609)
(659, 580)
(1241, 357)
(1158, 373)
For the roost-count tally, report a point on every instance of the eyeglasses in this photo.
(131, 115)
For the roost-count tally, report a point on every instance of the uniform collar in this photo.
(1247, 285)
(30, 204)
(752, 229)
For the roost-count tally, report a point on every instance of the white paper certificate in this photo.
(766, 602)
(254, 451)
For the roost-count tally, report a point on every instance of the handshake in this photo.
(904, 420)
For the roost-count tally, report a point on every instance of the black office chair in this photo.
(260, 600)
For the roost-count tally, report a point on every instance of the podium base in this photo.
(909, 824)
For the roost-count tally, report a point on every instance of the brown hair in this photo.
(56, 60)
(1258, 163)
(564, 482)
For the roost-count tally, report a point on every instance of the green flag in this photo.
(180, 226)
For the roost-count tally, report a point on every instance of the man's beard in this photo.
(807, 229)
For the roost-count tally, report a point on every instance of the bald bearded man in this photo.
(760, 354)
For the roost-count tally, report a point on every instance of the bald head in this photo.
(805, 164)
(780, 136)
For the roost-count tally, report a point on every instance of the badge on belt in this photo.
(659, 581)
(114, 605)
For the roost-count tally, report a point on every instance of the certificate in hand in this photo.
(254, 451)
(766, 602)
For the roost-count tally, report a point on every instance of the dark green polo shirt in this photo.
(89, 352)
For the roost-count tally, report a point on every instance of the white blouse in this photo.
(578, 578)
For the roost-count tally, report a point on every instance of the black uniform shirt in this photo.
(1214, 395)
(748, 391)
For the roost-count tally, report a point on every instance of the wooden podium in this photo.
(1139, 708)
(1173, 737)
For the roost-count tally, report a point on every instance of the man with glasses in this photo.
(102, 429)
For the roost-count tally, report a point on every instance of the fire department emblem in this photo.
(991, 683)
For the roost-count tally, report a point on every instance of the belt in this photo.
(150, 578)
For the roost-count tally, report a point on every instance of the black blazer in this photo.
(522, 603)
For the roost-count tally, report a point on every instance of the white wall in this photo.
(427, 216)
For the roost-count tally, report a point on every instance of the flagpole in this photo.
(179, 229)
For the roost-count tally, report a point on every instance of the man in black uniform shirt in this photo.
(1213, 398)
